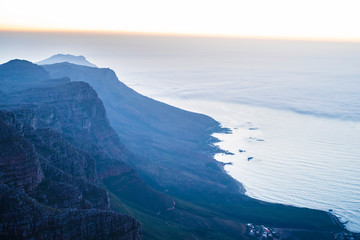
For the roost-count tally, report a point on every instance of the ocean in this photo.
(293, 106)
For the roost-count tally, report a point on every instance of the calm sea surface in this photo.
(293, 106)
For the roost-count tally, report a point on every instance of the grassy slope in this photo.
(167, 226)
(220, 220)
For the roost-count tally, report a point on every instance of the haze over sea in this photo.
(293, 106)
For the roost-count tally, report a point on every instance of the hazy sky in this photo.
(329, 19)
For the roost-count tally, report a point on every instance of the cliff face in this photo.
(74, 110)
(40, 200)
(19, 165)
(22, 217)
(55, 146)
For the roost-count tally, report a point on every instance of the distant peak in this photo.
(22, 71)
(17, 62)
(59, 58)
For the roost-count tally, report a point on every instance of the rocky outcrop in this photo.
(41, 199)
(54, 141)
(64, 155)
(19, 165)
(75, 110)
(22, 217)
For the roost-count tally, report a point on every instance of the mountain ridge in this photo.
(163, 129)
(47, 170)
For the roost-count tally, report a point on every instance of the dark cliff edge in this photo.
(67, 167)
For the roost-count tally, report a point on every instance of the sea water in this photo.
(294, 115)
(293, 106)
(290, 158)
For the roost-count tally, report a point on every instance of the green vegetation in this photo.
(219, 218)
(166, 226)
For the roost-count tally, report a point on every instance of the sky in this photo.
(314, 19)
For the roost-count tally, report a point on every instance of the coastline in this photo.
(336, 219)
(242, 189)
(291, 232)
(265, 160)
(223, 113)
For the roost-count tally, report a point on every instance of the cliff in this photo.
(74, 110)
(22, 217)
(52, 140)
(40, 200)
(19, 165)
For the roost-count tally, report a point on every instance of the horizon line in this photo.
(178, 34)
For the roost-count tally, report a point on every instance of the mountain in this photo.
(53, 146)
(177, 143)
(47, 183)
(66, 173)
(58, 58)
(39, 194)
(20, 74)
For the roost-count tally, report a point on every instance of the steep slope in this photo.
(176, 146)
(74, 110)
(19, 165)
(40, 201)
(22, 217)
(52, 141)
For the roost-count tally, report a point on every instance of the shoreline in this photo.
(242, 190)
(230, 115)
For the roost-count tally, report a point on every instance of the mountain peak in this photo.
(18, 63)
(22, 70)
(58, 58)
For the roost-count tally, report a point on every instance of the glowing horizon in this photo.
(177, 34)
(305, 20)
